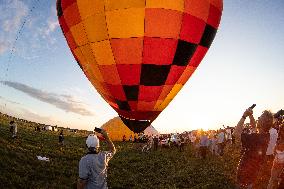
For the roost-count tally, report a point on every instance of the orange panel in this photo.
(88, 54)
(165, 91)
(127, 51)
(80, 56)
(79, 35)
(103, 52)
(124, 4)
(96, 28)
(96, 71)
(197, 8)
(90, 7)
(166, 4)
(125, 23)
(162, 23)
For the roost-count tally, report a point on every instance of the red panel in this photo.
(149, 93)
(133, 105)
(192, 29)
(72, 15)
(144, 106)
(117, 92)
(214, 16)
(198, 56)
(174, 74)
(129, 74)
(70, 40)
(66, 3)
(63, 24)
(165, 91)
(110, 74)
(159, 51)
(127, 51)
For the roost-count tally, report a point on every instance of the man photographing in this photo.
(254, 146)
(93, 166)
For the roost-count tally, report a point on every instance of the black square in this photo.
(208, 36)
(59, 8)
(154, 75)
(123, 105)
(131, 91)
(184, 52)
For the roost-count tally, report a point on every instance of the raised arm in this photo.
(239, 128)
(109, 142)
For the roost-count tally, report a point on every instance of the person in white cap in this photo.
(93, 166)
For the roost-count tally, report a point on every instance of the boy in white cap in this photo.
(93, 166)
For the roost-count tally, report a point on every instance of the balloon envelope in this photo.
(138, 54)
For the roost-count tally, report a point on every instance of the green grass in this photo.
(165, 168)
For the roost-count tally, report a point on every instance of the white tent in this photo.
(149, 131)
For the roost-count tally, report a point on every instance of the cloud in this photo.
(12, 14)
(67, 103)
(39, 27)
(10, 101)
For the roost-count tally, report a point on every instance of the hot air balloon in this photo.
(139, 54)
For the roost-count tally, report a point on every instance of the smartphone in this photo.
(252, 106)
(98, 130)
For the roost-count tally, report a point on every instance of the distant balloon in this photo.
(139, 54)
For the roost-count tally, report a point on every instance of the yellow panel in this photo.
(103, 52)
(166, 4)
(123, 4)
(79, 34)
(89, 7)
(96, 28)
(126, 23)
(164, 104)
(170, 96)
(174, 91)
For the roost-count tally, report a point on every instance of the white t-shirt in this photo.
(272, 141)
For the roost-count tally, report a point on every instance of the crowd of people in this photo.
(261, 151)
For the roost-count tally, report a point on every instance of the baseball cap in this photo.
(92, 141)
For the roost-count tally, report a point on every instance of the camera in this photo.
(252, 106)
(98, 130)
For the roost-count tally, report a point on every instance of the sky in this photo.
(40, 80)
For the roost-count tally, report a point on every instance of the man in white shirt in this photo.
(93, 166)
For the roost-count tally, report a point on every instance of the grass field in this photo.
(130, 168)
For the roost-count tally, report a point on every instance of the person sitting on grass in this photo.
(254, 147)
(93, 166)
